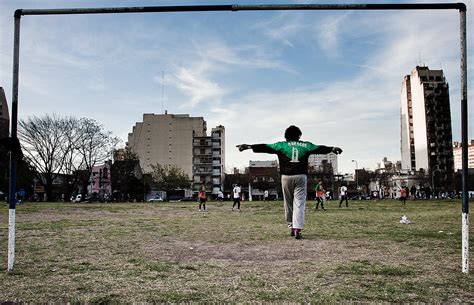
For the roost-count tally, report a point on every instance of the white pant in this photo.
(294, 195)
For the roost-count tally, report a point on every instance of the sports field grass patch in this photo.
(171, 252)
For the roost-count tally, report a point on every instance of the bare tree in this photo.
(73, 162)
(94, 145)
(56, 145)
(42, 140)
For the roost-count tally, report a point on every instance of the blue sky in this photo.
(336, 75)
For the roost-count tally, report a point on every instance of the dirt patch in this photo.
(315, 251)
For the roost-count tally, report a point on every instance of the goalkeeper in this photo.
(293, 157)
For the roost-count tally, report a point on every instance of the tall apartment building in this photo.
(317, 161)
(181, 140)
(209, 160)
(218, 158)
(4, 116)
(166, 139)
(425, 117)
(457, 153)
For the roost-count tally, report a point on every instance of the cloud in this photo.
(328, 33)
(211, 59)
(195, 84)
(282, 27)
(241, 56)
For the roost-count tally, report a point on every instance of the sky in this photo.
(335, 74)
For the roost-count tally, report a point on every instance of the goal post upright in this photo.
(13, 135)
(464, 139)
(461, 7)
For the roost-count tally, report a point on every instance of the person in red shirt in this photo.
(202, 198)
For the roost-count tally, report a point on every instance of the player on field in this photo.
(293, 157)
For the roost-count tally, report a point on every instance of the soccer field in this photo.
(171, 252)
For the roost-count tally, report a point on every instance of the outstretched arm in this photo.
(258, 148)
(322, 150)
(243, 147)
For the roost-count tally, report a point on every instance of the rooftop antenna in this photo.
(420, 63)
(162, 89)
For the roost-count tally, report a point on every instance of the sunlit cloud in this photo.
(197, 86)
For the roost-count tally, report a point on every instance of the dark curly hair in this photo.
(292, 133)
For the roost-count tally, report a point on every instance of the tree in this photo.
(169, 177)
(94, 145)
(127, 178)
(56, 145)
(43, 141)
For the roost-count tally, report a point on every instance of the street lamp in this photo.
(357, 167)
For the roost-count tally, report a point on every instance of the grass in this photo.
(170, 252)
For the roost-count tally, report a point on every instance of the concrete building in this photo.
(457, 153)
(425, 117)
(181, 140)
(4, 116)
(317, 161)
(209, 160)
(273, 163)
(202, 162)
(166, 139)
(263, 175)
(218, 158)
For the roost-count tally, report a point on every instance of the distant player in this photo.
(320, 194)
(343, 195)
(293, 157)
(220, 196)
(265, 196)
(202, 198)
(236, 193)
(403, 194)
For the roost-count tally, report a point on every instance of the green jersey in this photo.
(292, 155)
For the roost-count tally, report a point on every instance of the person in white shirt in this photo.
(236, 191)
(220, 196)
(343, 195)
(265, 195)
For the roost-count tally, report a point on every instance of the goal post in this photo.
(461, 7)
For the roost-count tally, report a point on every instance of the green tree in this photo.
(127, 178)
(169, 177)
